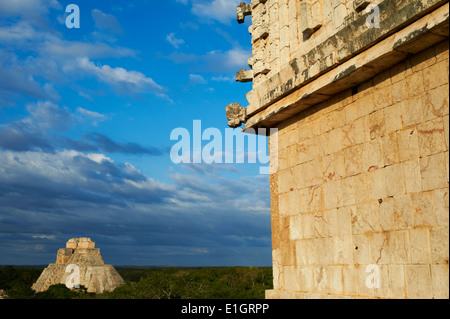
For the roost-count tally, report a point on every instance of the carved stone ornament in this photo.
(235, 113)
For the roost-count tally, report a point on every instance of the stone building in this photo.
(359, 93)
(91, 271)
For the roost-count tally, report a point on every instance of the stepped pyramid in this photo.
(93, 273)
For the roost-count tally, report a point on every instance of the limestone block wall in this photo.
(363, 179)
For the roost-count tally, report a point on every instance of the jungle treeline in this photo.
(150, 283)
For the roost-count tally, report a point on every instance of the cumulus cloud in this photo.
(196, 79)
(52, 58)
(59, 195)
(15, 81)
(92, 114)
(106, 22)
(34, 11)
(126, 82)
(49, 194)
(174, 41)
(98, 142)
(37, 132)
(220, 10)
(31, 133)
(223, 78)
(53, 187)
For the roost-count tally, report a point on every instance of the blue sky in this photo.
(85, 122)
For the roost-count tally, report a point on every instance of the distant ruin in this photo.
(91, 271)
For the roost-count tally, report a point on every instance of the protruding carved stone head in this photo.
(235, 114)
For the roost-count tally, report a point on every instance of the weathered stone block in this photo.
(418, 281)
(332, 194)
(396, 282)
(415, 84)
(424, 214)
(372, 157)
(413, 179)
(395, 184)
(331, 223)
(348, 191)
(439, 245)
(312, 173)
(350, 280)
(353, 160)
(387, 214)
(390, 149)
(441, 206)
(343, 250)
(408, 144)
(376, 123)
(315, 199)
(320, 251)
(383, 291)
(393, 118)
(403, 212)
(335, 280)
(411, 110)
(285, 180)
(296, 227)
(434, 76)
(301, 252)
(321, 280)
(277, 269)
(361, 249)
(306, 279)
(431, 137)
(440, 280)
(399, 91)
(435, 102)
(355, 133)
(379, 249)
(363, 191)
(363, 289)
(365, 105)
(432, 170)
(291, 280)
(382, 97)
(377, 184)
(399, 247)
(420, 246)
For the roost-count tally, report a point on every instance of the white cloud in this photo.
(128, 82)
(220, 10)
(174, 41)
(222, 78)
(106, 22)
(46, 116)
(22, 31)
(196, 79)
(91, 114)
(237, 57)
(33, 11)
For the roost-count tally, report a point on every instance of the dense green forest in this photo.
(151, 283)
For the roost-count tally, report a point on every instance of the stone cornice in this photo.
(412, 28)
